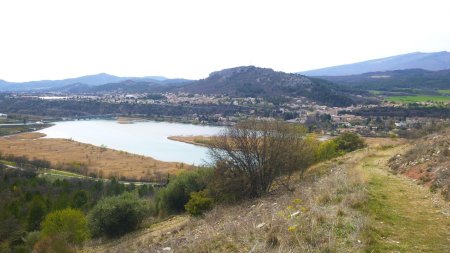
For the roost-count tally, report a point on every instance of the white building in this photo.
(3, 116)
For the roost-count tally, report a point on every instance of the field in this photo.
(376, 92)
(414, 99)
(88, 159)
(444, 92)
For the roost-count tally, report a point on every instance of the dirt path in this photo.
(405, 217)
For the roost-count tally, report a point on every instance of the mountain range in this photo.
(84, 81)
(413, 71)
(396, 79)
(427, 61)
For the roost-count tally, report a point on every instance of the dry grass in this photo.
(348, 204)
(321, 215)
(383, 142)
(100, 161)
(194, 140)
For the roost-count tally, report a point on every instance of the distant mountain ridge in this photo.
(89, 80)
(427, 61)
(397, 79)
(128, 86)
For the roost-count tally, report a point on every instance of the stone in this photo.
(261, 225)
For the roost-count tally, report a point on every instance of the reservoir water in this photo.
(147, 138)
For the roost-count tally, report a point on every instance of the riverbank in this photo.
(16, 128)
(66, 154)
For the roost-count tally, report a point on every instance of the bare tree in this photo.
(257, 152)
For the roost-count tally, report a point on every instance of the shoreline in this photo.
(191, 140)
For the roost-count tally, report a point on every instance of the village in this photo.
(318, 118)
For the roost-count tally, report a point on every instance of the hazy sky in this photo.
(55, 39)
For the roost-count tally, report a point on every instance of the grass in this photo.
(8, 163)
(195, 140)
(320, 215)
(348, 204)
(444, 91)
(14, 129)
(404, 217)
(60, 173)
(102, 162)
(376, 92)
(415, 99)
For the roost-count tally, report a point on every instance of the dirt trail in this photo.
(405, 217)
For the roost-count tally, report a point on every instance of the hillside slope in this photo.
(252, 81)
(351, 204)
(428, 162)
(428, 61)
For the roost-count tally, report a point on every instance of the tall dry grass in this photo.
(99, 161)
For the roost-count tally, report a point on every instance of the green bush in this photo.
(198, 203)
(115, 216)
(69, 223)
(338, 146)
(174, 197)
(327, 150)
(349, 142)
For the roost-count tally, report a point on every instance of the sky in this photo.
(56, 39)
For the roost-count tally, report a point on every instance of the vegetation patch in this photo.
(416, 99)
(88, 160)
(447, 92)
(404, 217)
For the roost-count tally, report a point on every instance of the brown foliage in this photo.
(256, 152)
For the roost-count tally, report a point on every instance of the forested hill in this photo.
(390, 80)
(250, 81)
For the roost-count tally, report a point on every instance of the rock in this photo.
(167, 249)
(261, 225)
(295, 214)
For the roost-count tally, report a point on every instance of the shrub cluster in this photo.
(338, 146)
(173, 198)
(115, 216)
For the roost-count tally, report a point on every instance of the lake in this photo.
(146, 138)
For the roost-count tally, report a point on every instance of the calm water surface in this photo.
(143, 138)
